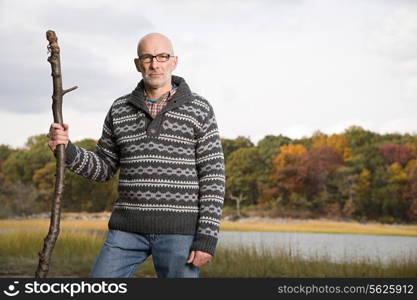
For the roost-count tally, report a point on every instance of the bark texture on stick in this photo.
(58, 93)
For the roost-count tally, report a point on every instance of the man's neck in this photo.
(153, 93)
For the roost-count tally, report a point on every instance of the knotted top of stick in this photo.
(53, 42)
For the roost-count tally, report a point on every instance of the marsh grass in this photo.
(312, 226)
(43, 224)
(76, 251)
(72, 255)
(249, 262)
(322, 226)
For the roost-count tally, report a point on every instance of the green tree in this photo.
(231, 145)
(82, 194)
(361, 200)
(23, 163)
(44, 181)
(17, 198)
(398, 178)
(269, 146)
(5, 151)
(384, 196)
(242, 173)
(359, 137)
(341, 188)
(410, 191)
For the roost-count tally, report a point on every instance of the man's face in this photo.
(156, 74)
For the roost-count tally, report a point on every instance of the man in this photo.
(165, 140)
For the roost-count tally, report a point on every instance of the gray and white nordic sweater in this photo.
(171, 167)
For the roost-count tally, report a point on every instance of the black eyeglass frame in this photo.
(149, 58)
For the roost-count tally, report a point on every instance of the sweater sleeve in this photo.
(100, 164)
(211, 176)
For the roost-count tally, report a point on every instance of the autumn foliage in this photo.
(357, 174)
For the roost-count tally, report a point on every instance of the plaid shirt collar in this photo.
(163, 98)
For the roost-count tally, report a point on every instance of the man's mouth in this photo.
(155, 74)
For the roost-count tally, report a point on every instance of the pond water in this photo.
(333, 247)
(336, 247)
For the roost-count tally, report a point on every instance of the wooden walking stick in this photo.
(58, 93)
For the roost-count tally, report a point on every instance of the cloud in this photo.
(89, 37)
(394, 35)
(404, 125)
(81, 125)
(267, 67)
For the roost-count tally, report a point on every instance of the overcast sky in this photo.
(268, 67)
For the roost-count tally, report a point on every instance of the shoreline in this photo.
(319, 226)
(98, 221)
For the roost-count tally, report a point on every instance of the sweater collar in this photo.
(181, 96)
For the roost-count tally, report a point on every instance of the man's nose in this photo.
(154, 63)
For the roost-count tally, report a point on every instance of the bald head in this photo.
(156, 43)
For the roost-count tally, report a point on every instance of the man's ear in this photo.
(137, 64)
(174, 62)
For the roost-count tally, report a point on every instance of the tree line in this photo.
(357, 174)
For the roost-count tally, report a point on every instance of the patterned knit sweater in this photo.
(171, 167)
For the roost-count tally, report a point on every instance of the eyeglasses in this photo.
(147, 58)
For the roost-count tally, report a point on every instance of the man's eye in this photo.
(162, 57)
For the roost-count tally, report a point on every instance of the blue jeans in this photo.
(123, 252)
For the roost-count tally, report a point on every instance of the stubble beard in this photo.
(155, 84)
